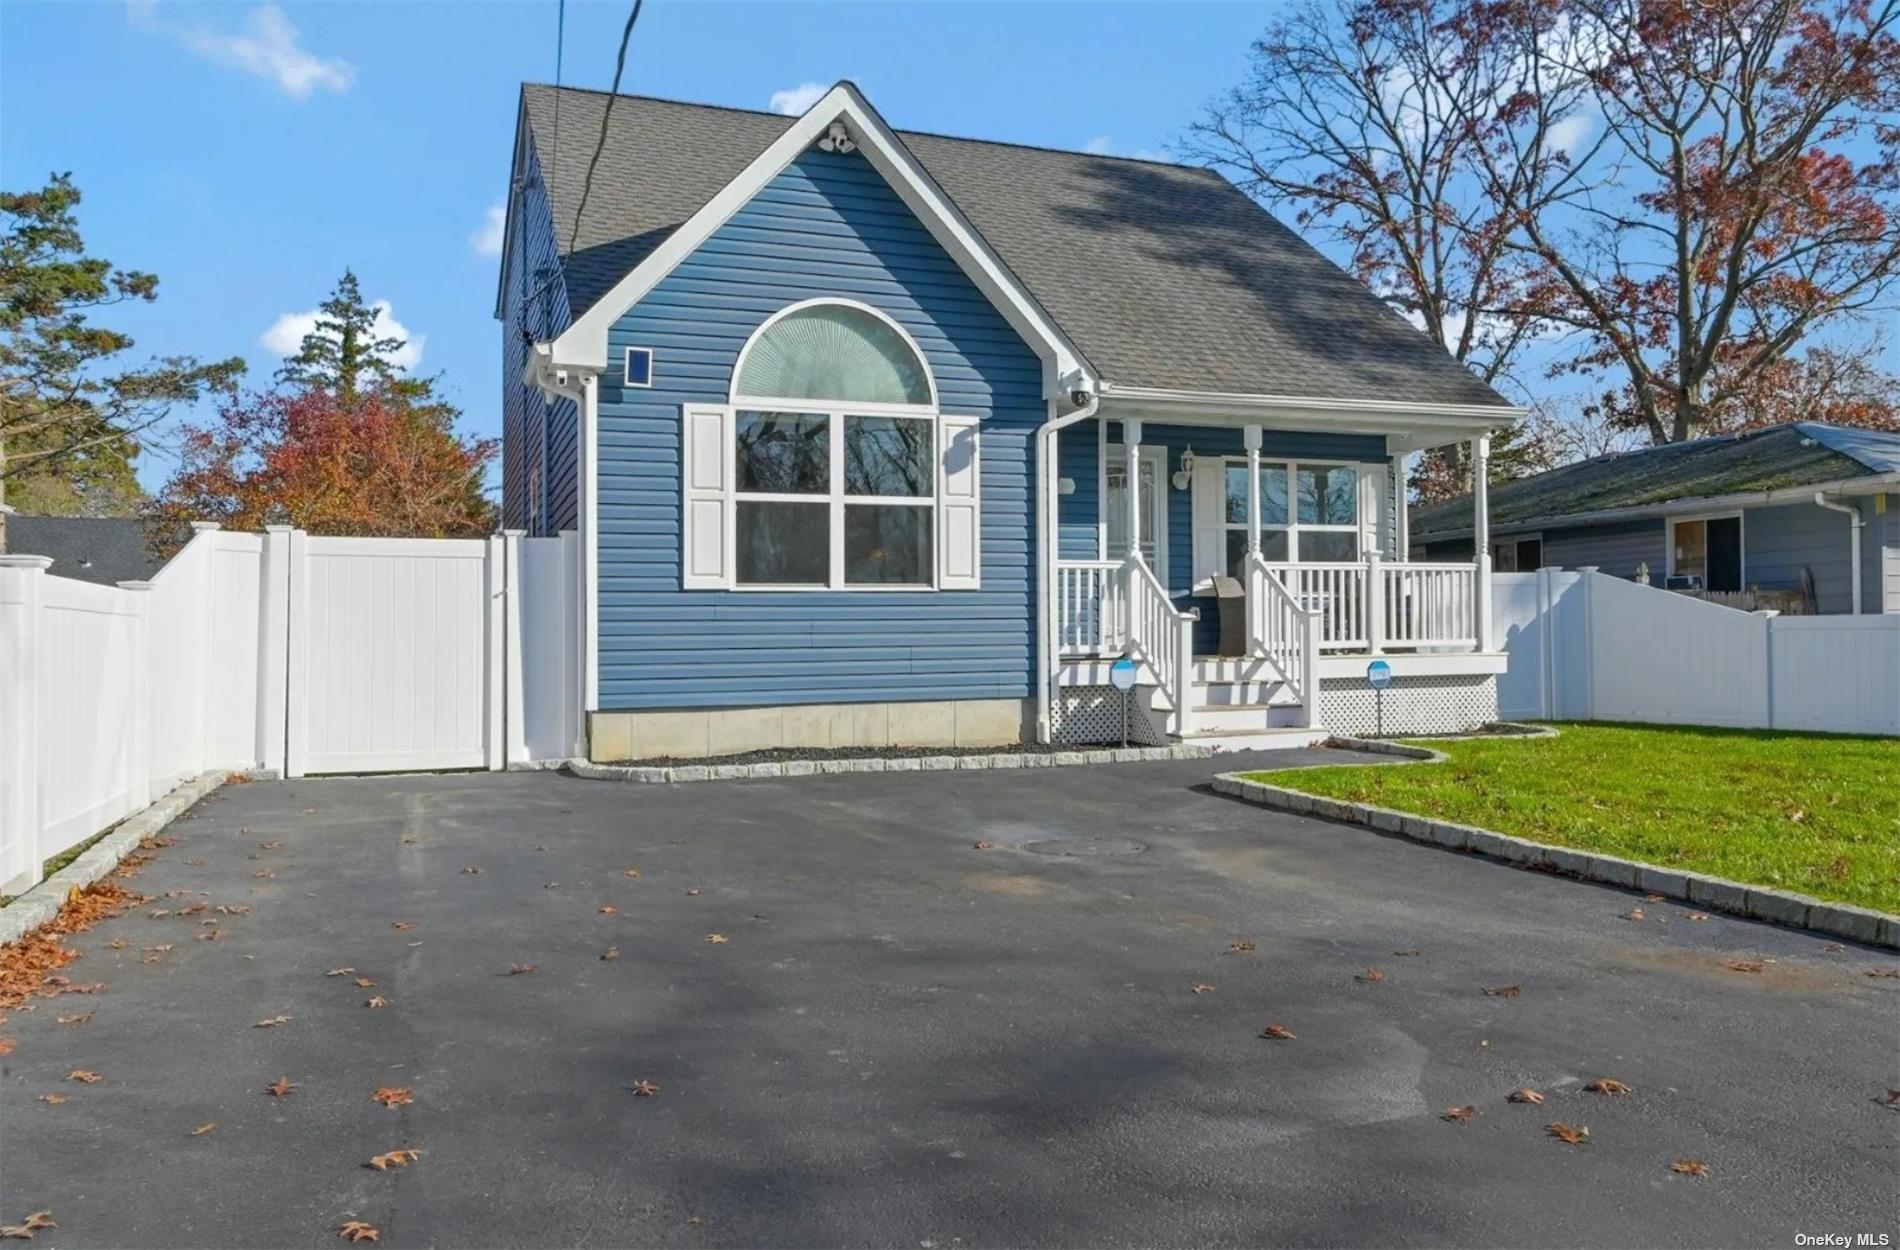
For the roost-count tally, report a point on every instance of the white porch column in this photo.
(1481, 537)
(1401, 512)
(1251, 436)
(1131, 475)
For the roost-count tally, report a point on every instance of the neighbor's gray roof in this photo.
(1804, 453)
(107, 550)
(1163, 275)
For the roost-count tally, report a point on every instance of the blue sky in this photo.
(247, 153)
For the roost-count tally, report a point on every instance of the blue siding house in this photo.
(841, 421)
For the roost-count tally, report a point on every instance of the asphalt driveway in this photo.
(906, 1039)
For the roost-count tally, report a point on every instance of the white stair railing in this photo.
(1163, 637)
(1286, 633)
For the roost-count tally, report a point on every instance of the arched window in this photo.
(833, 351)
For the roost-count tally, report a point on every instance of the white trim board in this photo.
(583, 345)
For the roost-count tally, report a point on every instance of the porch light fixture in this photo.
(1185, 473)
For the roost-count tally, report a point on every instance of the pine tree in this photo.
(344, 356)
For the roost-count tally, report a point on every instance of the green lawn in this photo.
(1816, 813)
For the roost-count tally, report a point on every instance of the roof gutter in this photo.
(1874, 484)
(1087, 401)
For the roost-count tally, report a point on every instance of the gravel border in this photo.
(884, 764)
(41, 903)
(1795, 911)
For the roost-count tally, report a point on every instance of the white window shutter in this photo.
(1208, 508)
(705, 511)
(959, 505)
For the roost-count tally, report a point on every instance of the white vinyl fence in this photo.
(1587, 646)
(279, 652)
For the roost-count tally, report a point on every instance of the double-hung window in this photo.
(1309, 512)
(832, 467)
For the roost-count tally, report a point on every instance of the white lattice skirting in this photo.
(1413, 705)
(1093, 714)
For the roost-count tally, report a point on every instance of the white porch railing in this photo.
(1286, 633)
(1374, 604)
(1117, 607)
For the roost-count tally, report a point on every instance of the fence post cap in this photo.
(25, 562)
(514, 533)
(278, 529)
(199, 527)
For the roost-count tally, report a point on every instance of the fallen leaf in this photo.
(402, 926)
(694, 892)
(1653, 898)
(1202, 989)
(1500, 991)
(1634, 913)
(471, 872)
(357, 1230)
(610, 910)
(272, 1022)
(1525, 1095)
(158, 914)
(1690, 1167)
(194, 863)
(1745, 965)
(1405, 954)
(611, 953)
(210, 935)
(1885, 973)
(81, 1018)
(392, 1097)
(376, 1000)
(1565, 1133)
(411, 841)
(631, 872)
(53, 1100)
(234, 909)
(1698, 915)
(193, 910)
(270, 846)
(1458, 1115)
(1832, 948)
(27, 1227)
(644, 1089)
(716, 939)
(202, 1129)
(517, 970)
(83, 1077)
(117, 944)
(393, 1159)
(339, 972)
(364, 983)
(1371, 976)
(985, 846)
(1278, 1033)
(280, 1088)
(263, 872)
(1891, 1100)
(1241, 946)
(1609, 1085)
(7, 1044)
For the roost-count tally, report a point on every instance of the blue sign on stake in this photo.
(1121, 674)
(1378, 674)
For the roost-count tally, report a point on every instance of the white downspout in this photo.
(1853, 536)
(581, 386)
(1046, 554)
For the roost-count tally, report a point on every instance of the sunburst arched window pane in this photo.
(834, 351)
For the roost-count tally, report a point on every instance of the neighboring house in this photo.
(107, 550)
(1800, 517)
(842, 418)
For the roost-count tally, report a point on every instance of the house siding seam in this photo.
(828, 226)
(538, 432)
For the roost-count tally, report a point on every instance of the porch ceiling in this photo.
(1405, 426)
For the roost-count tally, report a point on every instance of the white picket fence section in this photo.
(1586, 646)
(279, 652)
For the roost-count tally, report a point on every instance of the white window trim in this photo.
(835, 497)
(1294, 526)
(1741, 542)
(626, 368)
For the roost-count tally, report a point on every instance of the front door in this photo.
(1154, 507)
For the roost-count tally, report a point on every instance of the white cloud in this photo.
(1098, 146)
(1102, 145)
(487, 240)
(1568, 133)
(267, 47)
(286, 334)
(793, 101)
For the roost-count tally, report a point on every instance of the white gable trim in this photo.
(583, 345)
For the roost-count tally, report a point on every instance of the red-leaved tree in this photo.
(374, 466)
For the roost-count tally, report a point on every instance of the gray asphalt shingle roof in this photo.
(1163, 275)
(107, 550)
(1805, 453)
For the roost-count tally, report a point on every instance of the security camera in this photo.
(1079, 397)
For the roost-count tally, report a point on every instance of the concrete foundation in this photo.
(697, 732)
